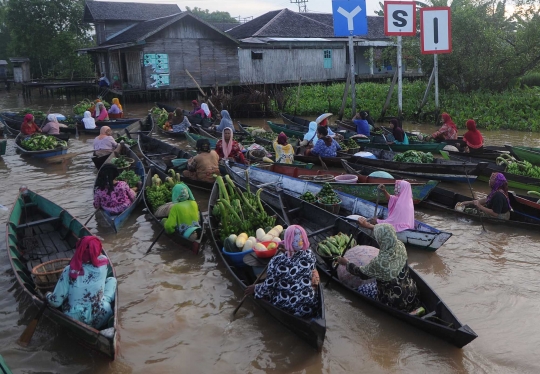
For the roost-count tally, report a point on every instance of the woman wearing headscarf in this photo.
(101, 112)
(291, 279)
(397, 132)
(228, 148)
(88, 122)
(448, 129)
(284, 150)
(361, 123)
(184, 214)
(473, 138)
(393, 284)
(497, 203)
(116, 110)
(206, 111)
(111, 195)
(180, 123)
(29, 127)
(104, 144)
(195, 107)
(52, 127)
(226, 122)
(203, 166)
(327, 147)
(84, 291)
(400, 207)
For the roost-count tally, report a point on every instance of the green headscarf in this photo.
(392, 254)
(181, 192)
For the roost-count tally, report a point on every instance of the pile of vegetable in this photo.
(514, 166)
(335, 245)
(121, 162)
(239, 211)
(85, 105)
(308, 197)
(125, 139)
(416, 157)
(38, 114)
(351, 143)
(161, 114)
(344, 147)
(420, 138)
(39, 142)
(327, 195)
(160, 192)
(242, 242)
(129, 177)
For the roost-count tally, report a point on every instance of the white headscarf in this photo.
(99, 106)
(88, 121)
(311, 135)
(204, 107)
(52, 118)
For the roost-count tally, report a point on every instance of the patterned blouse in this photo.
(288, 284)
(117, 201)
(321, 149)
(236, 152)
(88, 298)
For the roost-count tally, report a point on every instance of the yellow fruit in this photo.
(272, 246)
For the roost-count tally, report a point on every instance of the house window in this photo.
(327, 53)
(256, 55)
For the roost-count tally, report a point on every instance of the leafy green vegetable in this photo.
(39, 142)
(125, 139)
(129, 177)
(416, 157)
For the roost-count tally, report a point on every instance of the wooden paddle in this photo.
(472, 194)
(154, 242)
(44, 119)
(29, 331)
(67, 156)
(245, 296)
(89, 218)
(322, 163)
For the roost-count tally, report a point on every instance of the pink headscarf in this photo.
(88, 251)
(400, 208)
(227, 147)
(294, 236)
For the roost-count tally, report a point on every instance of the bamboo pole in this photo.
(389, 96)
(297, 95)
(202, 92)
(345, 94)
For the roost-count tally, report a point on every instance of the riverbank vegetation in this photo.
(516, 109)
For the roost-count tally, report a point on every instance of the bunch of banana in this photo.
(335, 245)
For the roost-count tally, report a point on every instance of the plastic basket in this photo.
(46, 274)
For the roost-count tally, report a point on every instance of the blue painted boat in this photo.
(38, 154)
(3, 367)
(116, 221)
(423, 236)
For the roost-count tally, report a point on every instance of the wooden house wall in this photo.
(289, 65)
(114, 65)
(209, 56)
(134, 69)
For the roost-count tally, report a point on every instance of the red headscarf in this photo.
(473, 138)
(324, 122)
(448, 121)
(88, 251)
(282, 139)
(29, 118)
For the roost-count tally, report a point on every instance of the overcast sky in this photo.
(257, 7)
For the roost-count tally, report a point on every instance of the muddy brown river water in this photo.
(175, 307)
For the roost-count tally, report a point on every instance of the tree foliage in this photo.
(48, 32)
(216, 16)
(491, 48)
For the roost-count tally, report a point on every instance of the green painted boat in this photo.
(3, 144)
(38, 231)
(529, 154)
(299, 131)
(192, 140)
(516, 181)
(3, 367)
(424, 147)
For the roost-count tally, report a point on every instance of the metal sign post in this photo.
(436, 71)
(400, 78)
(352, 75)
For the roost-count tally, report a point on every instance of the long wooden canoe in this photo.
(424, 147)
(194, 120)
(365, 188)
(439, 169)
(116, 220)
(153, 150)
(329, 161)
(4, 369)
(3, 145)
(115, 125)
(12, 127)
(294, 120)
(61, 150)
(299, 131)
(423, 236)
(192, 140)
(526, 212)
(146, 126)
(439, 319)
(529, 154)
(194, 246)
(312, 330)
(38, 231)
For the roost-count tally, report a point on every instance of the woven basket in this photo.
(317, 178)
(46, 274)
(332, 208)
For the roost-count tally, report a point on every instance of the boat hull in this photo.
(38, 154)
(529, 154)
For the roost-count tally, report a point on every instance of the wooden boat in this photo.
(153, 151)
(114, 124)
(38, 154)
(146, 126)
(194, 120)
(12, 126)
(116, 220)
(38, 231)
(365, 188)
(194, 246)
(299, 131)
(423, 236)
(329, 161)
(486, 155)
(171, 134)
(294, 120)
(424, 147)
(3, 366)
(526, 211)
(312, 330)
(319, 224)
(192, 140)
(3, 144)
(529, 154)
(439, 169)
